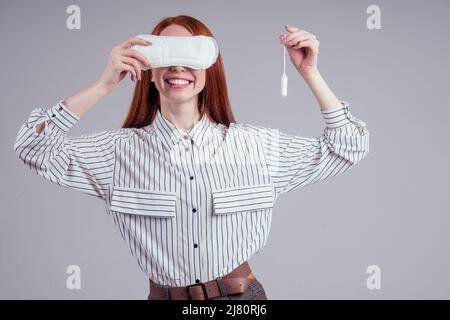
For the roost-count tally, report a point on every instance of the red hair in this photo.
(213, 99)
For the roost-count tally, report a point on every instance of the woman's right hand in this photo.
(122, 60)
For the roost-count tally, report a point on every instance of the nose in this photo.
(177, 68)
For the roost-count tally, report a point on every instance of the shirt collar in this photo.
(169, 134)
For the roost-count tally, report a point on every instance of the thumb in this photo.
(290, 28)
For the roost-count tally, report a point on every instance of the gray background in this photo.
(390, 210)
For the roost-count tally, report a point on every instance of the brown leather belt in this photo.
(237, 281)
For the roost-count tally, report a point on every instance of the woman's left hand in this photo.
(303, 48)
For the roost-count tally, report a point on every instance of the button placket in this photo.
(195, 175)
(187, 143)
(192, 187)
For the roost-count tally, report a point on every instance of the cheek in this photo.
(201, 81)
(199, 85)
(156, 74)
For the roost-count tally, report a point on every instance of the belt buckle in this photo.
(204, 291)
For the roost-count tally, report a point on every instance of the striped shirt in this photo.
(191, 206)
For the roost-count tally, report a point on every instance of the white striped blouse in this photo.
(191, 206)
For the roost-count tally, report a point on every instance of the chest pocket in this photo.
(143, 202)
(238, 199)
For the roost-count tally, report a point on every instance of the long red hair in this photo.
(213, 99)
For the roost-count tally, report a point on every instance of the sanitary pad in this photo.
(196, 52)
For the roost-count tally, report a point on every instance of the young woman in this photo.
(190, 190)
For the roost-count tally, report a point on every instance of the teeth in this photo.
(178, 81)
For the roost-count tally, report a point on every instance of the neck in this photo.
(183, 116)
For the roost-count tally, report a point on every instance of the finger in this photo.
(137, 55)
(294, 41)
(307, 44)
(134, 63)
(291, 28)
(130, 69)
(295, 34)
(132, 41)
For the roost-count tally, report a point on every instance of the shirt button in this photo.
(60, 108)
(53, 115)
(195, 245)
(192, 141)
(185, 137)
(186, 149)
(191, 178)
(194, 210)
(197, 281)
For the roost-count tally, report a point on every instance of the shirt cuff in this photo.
(339, 117)
(61, 117)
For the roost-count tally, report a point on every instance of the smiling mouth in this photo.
(178, 85)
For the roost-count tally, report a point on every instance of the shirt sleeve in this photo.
(83, 163)
(295, 162)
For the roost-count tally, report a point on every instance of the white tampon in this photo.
(284, 79)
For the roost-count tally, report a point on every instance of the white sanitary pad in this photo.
(196, 52)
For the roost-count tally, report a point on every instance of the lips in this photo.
(178, 86)
(178, 78)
